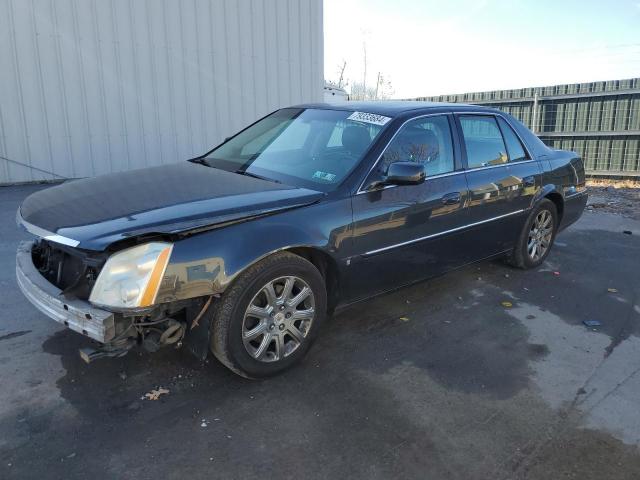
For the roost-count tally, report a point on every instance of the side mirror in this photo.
(405, 173)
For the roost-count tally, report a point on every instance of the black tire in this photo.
(229, 314)
(520, 256)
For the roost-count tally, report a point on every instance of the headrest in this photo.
(418, 137)
(356, 139)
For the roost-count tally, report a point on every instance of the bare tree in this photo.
(342, 82)
(384, 87)
(360, 92)
(344, 65)
(364, 77)
(382, 91)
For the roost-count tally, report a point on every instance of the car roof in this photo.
(391, 108)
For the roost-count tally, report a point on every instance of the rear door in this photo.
(503, 180)
(404, 233)
(522, 167)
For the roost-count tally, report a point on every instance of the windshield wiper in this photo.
(249, 174)
(200, 161)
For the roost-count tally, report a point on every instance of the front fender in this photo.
(207, 263)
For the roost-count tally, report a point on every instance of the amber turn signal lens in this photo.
(151, 291)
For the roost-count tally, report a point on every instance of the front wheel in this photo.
(537, 236)
(266, 321)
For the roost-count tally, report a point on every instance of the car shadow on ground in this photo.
(431, 326)
(454, 328)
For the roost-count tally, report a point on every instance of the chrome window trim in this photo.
(439, 234)
(440, 175)
(359, 191)
(494, 114)
(499, 114)
(487, 167)
(46, 234)
(456, 172)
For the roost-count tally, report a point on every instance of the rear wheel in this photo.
(266, 321)
(537, 236)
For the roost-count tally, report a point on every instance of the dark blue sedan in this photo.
(245, 250)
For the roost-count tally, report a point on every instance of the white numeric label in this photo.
(369, 118)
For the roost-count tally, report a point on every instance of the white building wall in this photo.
(95, 86)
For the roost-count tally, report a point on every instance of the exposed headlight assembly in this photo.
(131, 278)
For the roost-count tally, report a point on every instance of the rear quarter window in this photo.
(515, 149)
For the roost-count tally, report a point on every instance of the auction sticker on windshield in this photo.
(369, 118)
(327, 177)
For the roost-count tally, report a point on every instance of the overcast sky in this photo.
(430, 47)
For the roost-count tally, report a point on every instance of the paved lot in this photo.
(435, 381)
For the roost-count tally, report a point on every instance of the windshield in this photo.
(311, 148)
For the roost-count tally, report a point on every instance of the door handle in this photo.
(529, 181)
(451, 198)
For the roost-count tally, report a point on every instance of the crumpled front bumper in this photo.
(76, 314)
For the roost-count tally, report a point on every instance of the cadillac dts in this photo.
(245, 250)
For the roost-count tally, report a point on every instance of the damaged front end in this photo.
(61, 282)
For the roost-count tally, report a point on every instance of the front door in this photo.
(404, 233)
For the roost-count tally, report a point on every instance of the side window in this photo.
(483, 141)
(426, 140)
(514, 147)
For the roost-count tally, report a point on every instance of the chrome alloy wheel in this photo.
(278, 319)
(540, 235)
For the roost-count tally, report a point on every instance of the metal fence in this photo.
(599, 120)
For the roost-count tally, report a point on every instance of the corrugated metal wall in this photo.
(95, 86)
(599, 120)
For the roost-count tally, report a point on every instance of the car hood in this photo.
(95, 212)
